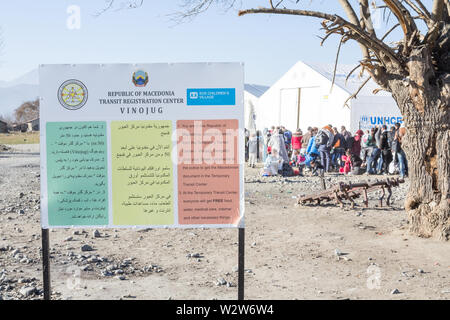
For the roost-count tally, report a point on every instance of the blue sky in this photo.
(35, 32)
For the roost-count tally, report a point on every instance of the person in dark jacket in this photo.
(373, 152)
(402, 162)
(339, 147)
(385, 148)
(356, 143)
(306, 137)
(324, 142)
(347, 136)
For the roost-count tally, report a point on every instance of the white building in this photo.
(252, 93)
(304, 97)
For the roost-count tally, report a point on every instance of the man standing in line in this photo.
(402, 162)
(306, 137)
(347, 136)
(339, 146)
(324, 141)
(386, 153)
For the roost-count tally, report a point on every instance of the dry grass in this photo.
(19, 138)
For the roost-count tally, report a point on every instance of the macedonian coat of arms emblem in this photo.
(140, 78)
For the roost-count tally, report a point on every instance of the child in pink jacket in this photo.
(347, 158)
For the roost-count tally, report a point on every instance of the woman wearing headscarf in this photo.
(277, 142)
(356, 145)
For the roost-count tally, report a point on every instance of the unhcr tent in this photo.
(304, 97)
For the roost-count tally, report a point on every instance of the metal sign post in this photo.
(46, 263)
(241, 264)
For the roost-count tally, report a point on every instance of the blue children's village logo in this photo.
(369, 121)
(140, 78)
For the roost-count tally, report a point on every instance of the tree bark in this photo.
(424, 102)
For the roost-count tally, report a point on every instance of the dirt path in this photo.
(290, 251)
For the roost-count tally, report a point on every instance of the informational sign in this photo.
(148, 145)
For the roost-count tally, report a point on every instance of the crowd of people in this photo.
(375, 151)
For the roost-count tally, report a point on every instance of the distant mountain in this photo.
(31, 77)
(14, 93)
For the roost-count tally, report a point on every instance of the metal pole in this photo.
(241, 259)
(257, 146)
(322, 179)
(46, 263)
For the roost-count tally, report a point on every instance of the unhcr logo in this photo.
(364, 119)
(380, 120)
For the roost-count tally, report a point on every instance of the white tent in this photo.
(252, 93)
(304, 97)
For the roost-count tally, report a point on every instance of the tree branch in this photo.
(353, 96)
(367, 18)
(438, 10)
(404, 18)
(132, 4)
(383, 52)
(423, 8)
(353, 18)
(336, 62)
(424, 15)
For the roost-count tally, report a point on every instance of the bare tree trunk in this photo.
(426, 112)
(427, 147)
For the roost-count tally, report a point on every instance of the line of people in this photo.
(376, 151)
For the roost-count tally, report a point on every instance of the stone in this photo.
(337, 252)
(420, 271)
(86, 247)
(121, 277)
(21, 211)
(69, 239)
(93, 260)
(27, 291)
(96, 234)
(221, 281)
(395, 291)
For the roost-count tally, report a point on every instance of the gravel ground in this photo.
(292, 252)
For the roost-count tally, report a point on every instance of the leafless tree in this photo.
(27, 111)
(415, 69)
(115, 5)
(7, 118)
